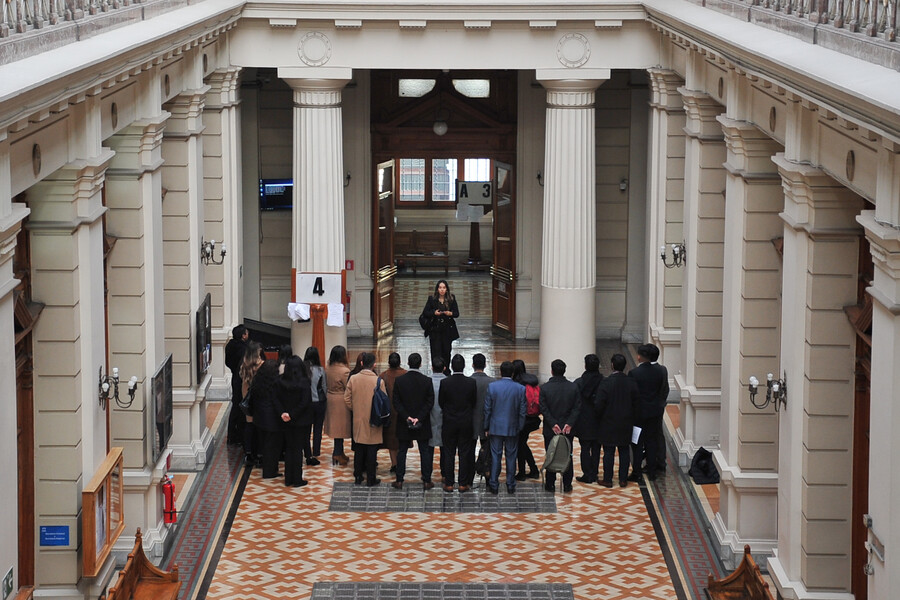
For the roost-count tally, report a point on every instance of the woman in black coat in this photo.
(295, 396)
(266, 409)
(438, 321)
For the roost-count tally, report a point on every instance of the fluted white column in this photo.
(569, 248)
(318, 230)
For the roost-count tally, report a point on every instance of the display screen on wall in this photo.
(162, 407)
(204, 337)
(276, 194)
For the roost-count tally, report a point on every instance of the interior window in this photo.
(416, 88)
(473, 88)
(443, 179)
(412, 180)
(478, 169)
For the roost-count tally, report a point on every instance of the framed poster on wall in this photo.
(161, 387)
(204, 337)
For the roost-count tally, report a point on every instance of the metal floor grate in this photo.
(435, 591)
(529, 498)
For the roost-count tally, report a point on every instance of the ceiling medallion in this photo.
(314, 48)
(573, 50)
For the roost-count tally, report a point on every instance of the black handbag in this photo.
(245, 405)
(426, 323)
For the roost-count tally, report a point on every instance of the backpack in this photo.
(381, 407)
(703, 469)
(533, 400)
(559, 454)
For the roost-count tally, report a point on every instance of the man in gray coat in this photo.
(560, 406)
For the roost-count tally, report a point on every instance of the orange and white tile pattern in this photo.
(284, 540)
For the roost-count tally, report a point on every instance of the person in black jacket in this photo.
(587, 430)
(653, 386)
(618, 408)
(457, 397)
(234, 356)
(438, 319)
(266, 408)
(560, 407)
(524, 456)
(413, 399)
(295, 397)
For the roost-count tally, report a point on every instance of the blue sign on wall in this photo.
(54, 535)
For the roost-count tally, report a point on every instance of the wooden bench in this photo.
(141, 580)
(745, 583)
(412, 248)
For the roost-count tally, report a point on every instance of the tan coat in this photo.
(358, 397)
(337, 415)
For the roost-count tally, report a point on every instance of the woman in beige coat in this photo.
(358, 398)
(337, 415)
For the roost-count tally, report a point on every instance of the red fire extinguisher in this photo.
(168, 490)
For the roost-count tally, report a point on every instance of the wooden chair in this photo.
(745, 583)
(142, 580)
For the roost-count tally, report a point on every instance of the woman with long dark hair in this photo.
(438, 319)
(532, 421)
(318, 387)
(254, 357)
(337, 415)
(267, 411)
(295, 396)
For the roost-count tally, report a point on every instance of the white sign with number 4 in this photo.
(319, 288)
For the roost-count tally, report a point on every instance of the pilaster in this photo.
(751, 306)
(821, 246)
(665, 212)
(222, 222)
(569, 240)
(183, 279)
(318, 231)
(883, 233)
(66, 232)
(136, 314)
(699, 380)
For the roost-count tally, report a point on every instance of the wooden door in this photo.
(503, 270)
(383, 250)
(860, 316)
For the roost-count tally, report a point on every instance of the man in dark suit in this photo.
(618, 408)
(413, 399)
(457, 397)
(504, 417)
(482, 381)
(587, 430)
(234, 357)
(653, 386)
(560, 406)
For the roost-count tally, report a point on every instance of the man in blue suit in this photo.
(504, 417)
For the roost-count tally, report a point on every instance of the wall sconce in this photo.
(347, 179)
(623, 184)
(776, 391)
(678, 255)
(208, 252)
(108, 388)
(540, 178)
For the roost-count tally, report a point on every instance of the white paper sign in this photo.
(319, 288)
(635, 434)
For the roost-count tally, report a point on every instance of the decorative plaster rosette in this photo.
(314, 48)
(573, 50)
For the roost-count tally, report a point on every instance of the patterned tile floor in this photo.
(276, 542)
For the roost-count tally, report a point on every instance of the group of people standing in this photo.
(280, 408)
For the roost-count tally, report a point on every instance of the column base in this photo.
(567, 326)
(754, 499)
(795, 590)
(699, 421)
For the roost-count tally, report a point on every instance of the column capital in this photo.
(315, 79)
(884, 243)
(815, 202)
(701, 111)
(223, 85)
(186, 110)
(70, 197)
(137, 147)
(750, 150)
(564, 91)
(664, 84)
